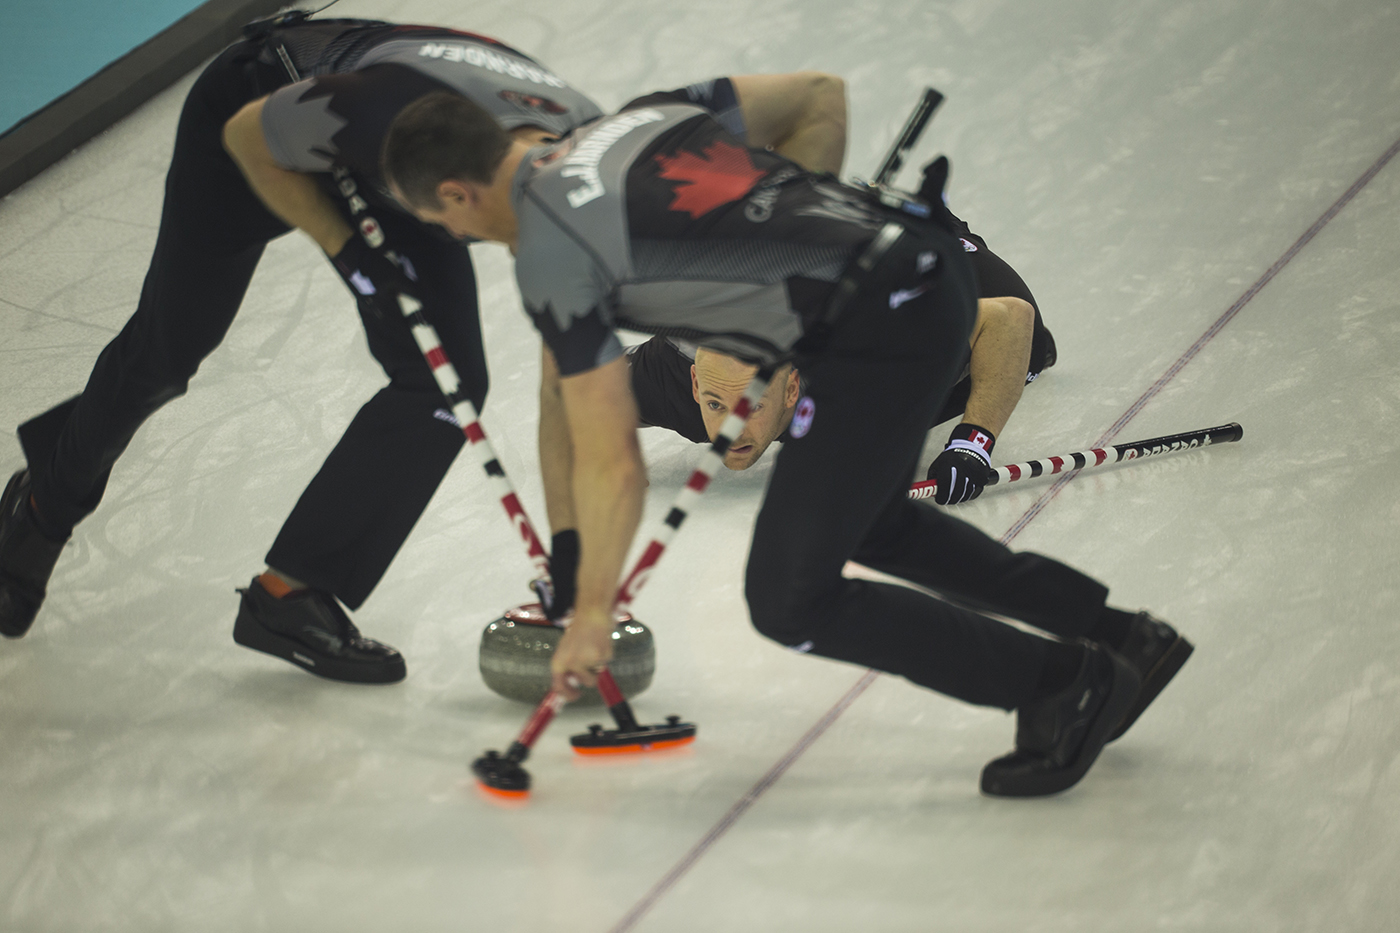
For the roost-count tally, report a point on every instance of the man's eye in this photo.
(716, 406)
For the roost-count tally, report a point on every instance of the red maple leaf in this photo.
(725, 174)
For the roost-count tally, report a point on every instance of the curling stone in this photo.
(516, 650)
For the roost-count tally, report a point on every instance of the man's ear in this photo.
(794, 389)
(694, 385)
(454, 191)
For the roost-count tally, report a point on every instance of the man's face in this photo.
(718, 382)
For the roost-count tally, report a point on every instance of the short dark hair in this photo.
(439, 136)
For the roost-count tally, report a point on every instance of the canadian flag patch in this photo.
(369, 229)
(802, 418)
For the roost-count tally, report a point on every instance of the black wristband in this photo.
(563, 574)
(563, 552)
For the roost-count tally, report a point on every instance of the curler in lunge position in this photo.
(690, 389)
(655, 235)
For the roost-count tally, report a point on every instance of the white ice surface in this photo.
(1141, 164)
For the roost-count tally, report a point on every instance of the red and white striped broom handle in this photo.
(710, 462)
(1101, 456)
(470, 421)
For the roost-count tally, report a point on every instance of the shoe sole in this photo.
(1155, 682)
(1120, 699)
(250, 633)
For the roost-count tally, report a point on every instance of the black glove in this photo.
(563, 572)
(964, 466)
(376, 280)
(931, 192)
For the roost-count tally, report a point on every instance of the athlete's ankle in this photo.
(278, 584)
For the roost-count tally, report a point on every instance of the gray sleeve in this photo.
(299, 132)
(566, 293)
(715, 95)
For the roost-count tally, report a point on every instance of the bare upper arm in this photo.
(549, 372)
(243, 135)
(601, 411)
(1007, 312)
(779, 108)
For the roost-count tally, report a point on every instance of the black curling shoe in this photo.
(309, 629)
(1058, 737)
(1156, 651)
(27, 558)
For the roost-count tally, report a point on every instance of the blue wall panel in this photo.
(47, 48)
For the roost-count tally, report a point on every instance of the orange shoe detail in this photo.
(275, 586)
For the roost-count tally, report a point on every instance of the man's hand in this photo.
(376, 281)
(585, 649)
(963, 468)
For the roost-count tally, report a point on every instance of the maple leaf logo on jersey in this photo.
(724, 174)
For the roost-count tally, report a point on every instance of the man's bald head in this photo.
(718, 381)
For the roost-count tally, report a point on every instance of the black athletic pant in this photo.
(362, 504)
(996, 279)
(839, 492)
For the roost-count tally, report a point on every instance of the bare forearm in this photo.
(608, 491)
(293, 197)
(608, 484)
(556, 451)
(609, 481)
(608, 497)
(1001, 350)
(299, 201)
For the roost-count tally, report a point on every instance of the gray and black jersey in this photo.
(660, 375)
(356, 76)
(657, 219)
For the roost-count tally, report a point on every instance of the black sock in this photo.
(1062, 663)
(1112, 627)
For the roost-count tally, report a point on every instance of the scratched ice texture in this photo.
(1141, 164)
